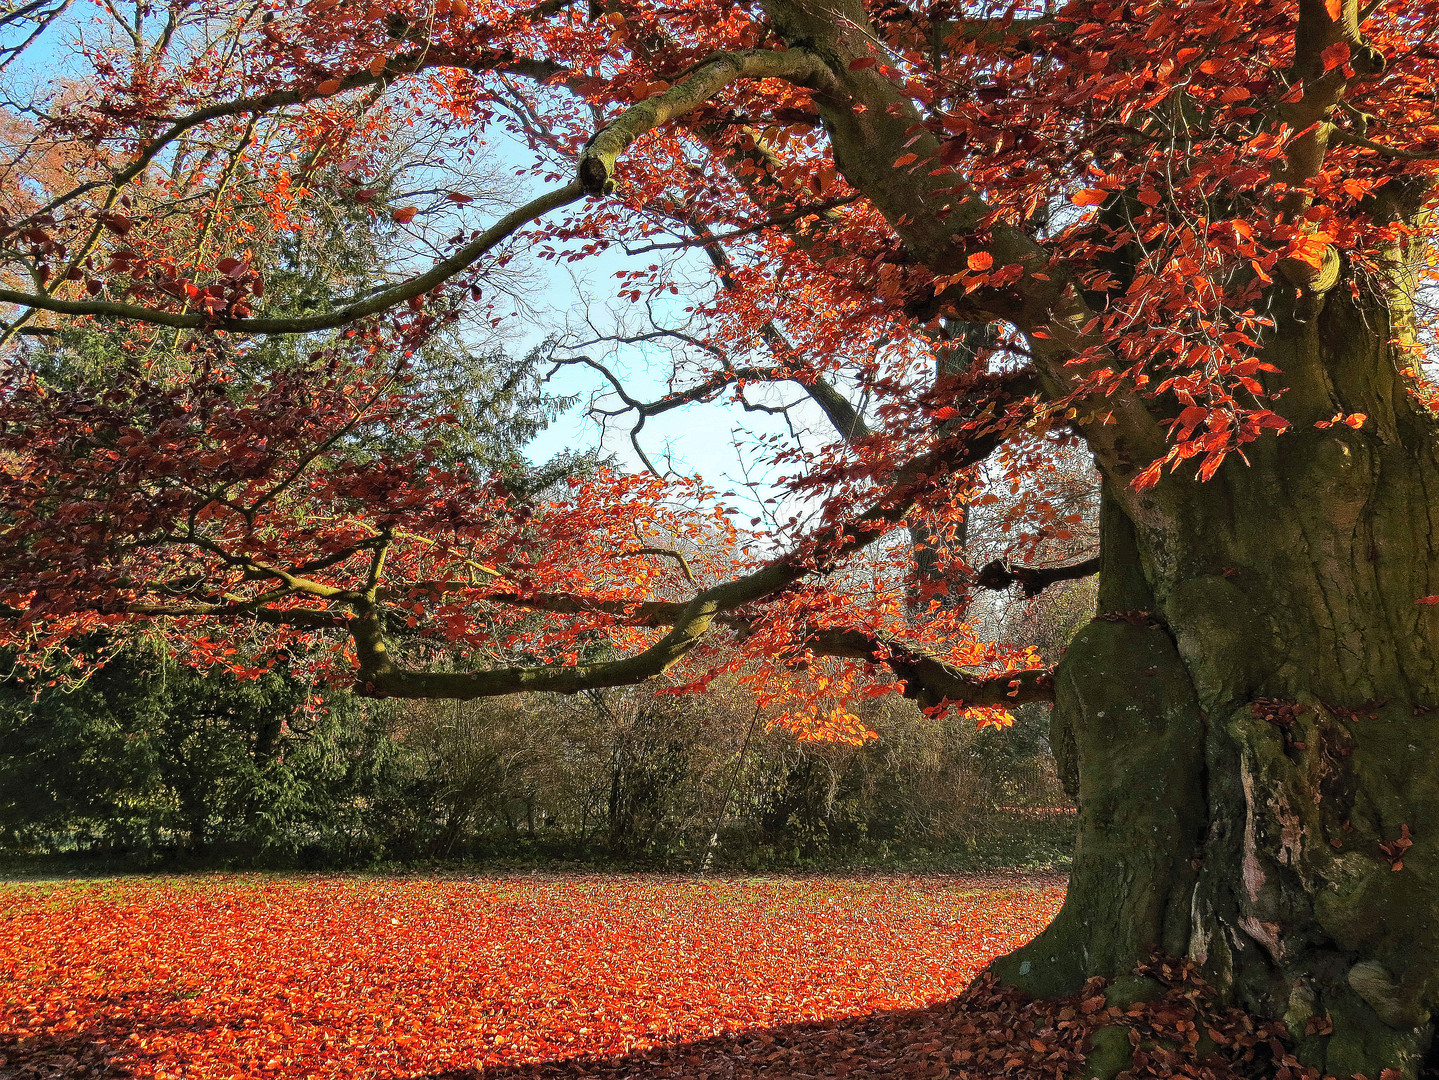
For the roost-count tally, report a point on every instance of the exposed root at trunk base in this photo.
(1161, 1021)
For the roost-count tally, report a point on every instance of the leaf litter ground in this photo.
(349, 977)
(568, 976)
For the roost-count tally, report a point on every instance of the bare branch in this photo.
(669, 553)
(1353, 138)
(304, 618)
(798, 214)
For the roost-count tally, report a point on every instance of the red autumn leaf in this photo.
(1089, 197)
(1210, 465)
(405, 214)
(1150, 476)
(118, 224)
(328, 87)
(980, 261)
(860, 63)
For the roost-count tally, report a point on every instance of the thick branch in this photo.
(1001, 574)
(942, 218)
(305, 618)
(931, 681)
(597, 162)
(1323, 89)
(928, 679)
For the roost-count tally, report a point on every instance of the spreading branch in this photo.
(380, 675)
(465, 257)
(932, 682)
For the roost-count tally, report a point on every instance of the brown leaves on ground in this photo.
(349, 978)
(568, 977)
(990, 1031)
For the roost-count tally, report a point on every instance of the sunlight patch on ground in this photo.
(340, 976)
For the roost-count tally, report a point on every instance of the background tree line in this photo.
(147, 760)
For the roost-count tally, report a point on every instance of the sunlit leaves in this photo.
(216, 977)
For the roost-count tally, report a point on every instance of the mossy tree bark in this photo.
(1249, 717)
(1251, 720)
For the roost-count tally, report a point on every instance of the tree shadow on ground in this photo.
(913, 1043)
(96, 1050)
(990, 1032)
(950, 1038)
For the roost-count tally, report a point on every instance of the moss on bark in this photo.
(1257, 759)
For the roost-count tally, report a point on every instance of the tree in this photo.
(1202, 234)
(146, 757)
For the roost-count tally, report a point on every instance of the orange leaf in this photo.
(905, 159)
(328, 87)
(980, 260)
(1089, 197)
(1192, 416)
(1309, 248)
(405, 214)
(1150, 476)
(377, 65)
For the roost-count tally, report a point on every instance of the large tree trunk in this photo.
(1249, 719)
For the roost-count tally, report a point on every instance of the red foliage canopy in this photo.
(1120, 189)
